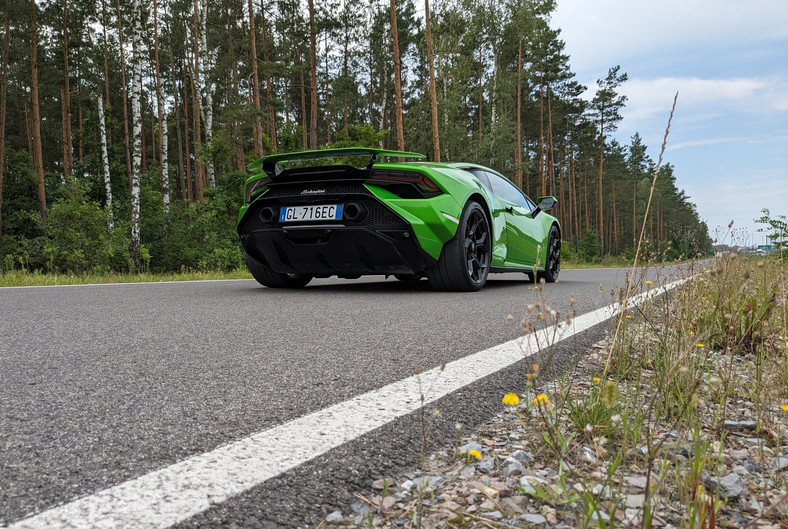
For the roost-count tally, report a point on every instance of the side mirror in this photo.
(546, 203)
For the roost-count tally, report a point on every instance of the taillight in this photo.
(405, 184)
(255, 188)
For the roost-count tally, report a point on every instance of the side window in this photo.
(507, 191)
(483, 177)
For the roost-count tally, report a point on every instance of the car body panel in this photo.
(419, 226)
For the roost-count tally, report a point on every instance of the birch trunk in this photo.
(105, 163)
(207, 94)
(125, 96)
(165, 177)
(65, 97)
(136, 165)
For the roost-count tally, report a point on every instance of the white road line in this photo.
(172, 494)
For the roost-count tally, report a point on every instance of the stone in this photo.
(636, 481)
(493, 515)
(739, 426)
(334, 517)
(467, 447)
(514, 504)
(635, 501)
(526, 458)
(486, 465)
(359, 507)
(407, 484)
(779, 463)
(533, 519)
(730, 486)
(511, 467)
(740, 470)
(388, 502)
(588, 455)
(380, 484)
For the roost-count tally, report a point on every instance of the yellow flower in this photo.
(542, 399)
(785, 408)
(596, 379)
(511, 399)
(692, 333)
(700, 345)
(529, 376)
(629, 317)
(536, 367)
(648, 282)
(475, 453)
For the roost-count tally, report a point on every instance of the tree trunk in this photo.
(550, 147)
(125, 95)
(328, 93)
(165, 177)
(196, 110)
(397, 78)
(35, 119)
(258, 127)
(3, 102)
(105, 164)
(436, 144)
(207, 94)
(136, 112)
(313, 78)
(106, 56)
(599, 190)
(305, 125)
(65, 104)
(518, 142)
(268, 86)
(187, 143)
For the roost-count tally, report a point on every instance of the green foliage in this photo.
(777, 231)
(589, 245)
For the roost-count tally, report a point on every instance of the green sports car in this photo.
(348, 213)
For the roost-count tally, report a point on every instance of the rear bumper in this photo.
(337, 250)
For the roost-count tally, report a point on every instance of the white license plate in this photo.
(303, 213)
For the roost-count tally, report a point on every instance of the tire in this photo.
(268, 278)
(464, 262)
(553, 261)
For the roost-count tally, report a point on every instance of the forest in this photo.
(126, 127)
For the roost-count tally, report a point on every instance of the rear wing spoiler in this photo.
(269, 164)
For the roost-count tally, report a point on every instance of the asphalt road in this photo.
(102, 384)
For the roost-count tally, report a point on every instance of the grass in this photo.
(26, 279)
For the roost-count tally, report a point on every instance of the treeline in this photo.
(125, 129)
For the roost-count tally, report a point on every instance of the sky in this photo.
(728, 61)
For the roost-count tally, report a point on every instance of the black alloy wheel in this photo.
(465, 260)
(553, 264)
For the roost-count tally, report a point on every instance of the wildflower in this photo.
(509, 317)
(610, 393)
(785, 408)
(542, 399)
(629, 317)
(692, 333)
(475, 454)
(511, 399)
(536, 367)
(596, 379)
(701, 345)
(529, 376)
(648, 282)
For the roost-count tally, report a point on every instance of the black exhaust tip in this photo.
(354, 212)
(268, 215)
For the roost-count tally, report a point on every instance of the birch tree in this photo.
(207, 94)
(105, 163)
(165, 177)
(136, 165)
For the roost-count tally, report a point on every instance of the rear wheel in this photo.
(268, 278)
(465, 260)
(553, 262)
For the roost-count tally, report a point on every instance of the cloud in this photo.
(603, 33)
